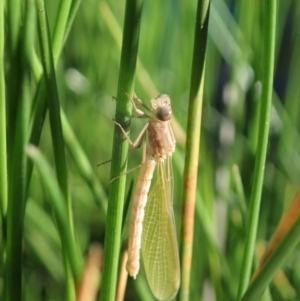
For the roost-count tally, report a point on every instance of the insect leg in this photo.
(140, 102)
(134, 168)
(137, 141)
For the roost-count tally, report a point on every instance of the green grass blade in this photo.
(3, 154)
(83, 165)
(265, 108)
(55, 124)
(16, 169)
(58, 203)
(236, 178)
(120, 149)
(60, 28)
(272, 265)
(40, 227)
(71, 16)
(40, 107)
(53, 100)
(14, 17)
(192, 147)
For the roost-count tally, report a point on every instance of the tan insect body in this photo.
(137, 216)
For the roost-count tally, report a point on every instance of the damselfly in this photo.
(152, 224)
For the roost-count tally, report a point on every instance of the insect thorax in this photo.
(161, 139)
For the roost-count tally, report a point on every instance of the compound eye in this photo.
(164, 114)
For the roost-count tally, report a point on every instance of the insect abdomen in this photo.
(137, 216)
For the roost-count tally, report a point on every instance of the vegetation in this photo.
(64, 68)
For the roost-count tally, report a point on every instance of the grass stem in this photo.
(120, 149)
(192, 146)
(269, 7)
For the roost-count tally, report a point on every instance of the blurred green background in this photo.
(87, 76)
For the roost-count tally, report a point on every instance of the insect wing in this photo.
(159, 243)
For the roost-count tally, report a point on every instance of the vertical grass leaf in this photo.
(120, 148)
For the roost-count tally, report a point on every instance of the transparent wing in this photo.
(159, 243)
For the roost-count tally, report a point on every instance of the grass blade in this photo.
(120, 149)
(275, 261)
(3, 154)
(40, 107)
(84, 165)
(61, 211)
(192, 146)
(55, 124)
(53, 99)
(265, 108)
(16, 163)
